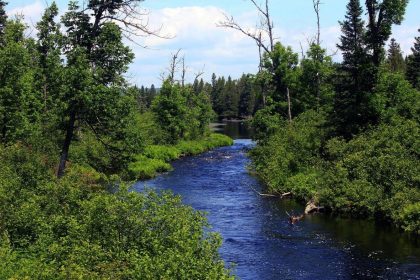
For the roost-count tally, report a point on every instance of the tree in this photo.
(315, 68)
(395, 58)
(260, 34)
(355, 78)
(281, 65)
(230, 100)
(49, 44)
(352, 45)
(413, 64)
(171, 111)
(19, 103)
(246, 97)
(96, 60)
(382, 15)
(3, 19)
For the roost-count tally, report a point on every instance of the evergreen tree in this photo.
(352, 45)
(395, 59)
(246, 98)
(413, 64)
(355, 79)
(229, 104)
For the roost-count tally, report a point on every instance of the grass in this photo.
(155, 158)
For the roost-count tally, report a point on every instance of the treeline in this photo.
(345, 135)
(230, 99)
(71, 131)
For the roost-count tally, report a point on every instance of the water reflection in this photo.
(233, 129)
(260, 241)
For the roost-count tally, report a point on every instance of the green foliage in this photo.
(146, 168)
(410, 217)
(393, 96)
(374, 174)
(74, 229)
(413, 64)
(156, 158)
(19, 103)
(181, 113)
(395, 58)
(315, 87)
(378, 171)
(165, 153)
(291, 150)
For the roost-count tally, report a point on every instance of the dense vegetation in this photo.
(71, 130)
(230, 98)
(345, 135)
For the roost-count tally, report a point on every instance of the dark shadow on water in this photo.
(260, 241)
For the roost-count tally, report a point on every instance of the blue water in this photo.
(263, 245)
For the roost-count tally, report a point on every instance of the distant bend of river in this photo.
(257, 236)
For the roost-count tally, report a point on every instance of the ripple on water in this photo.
(260, 241)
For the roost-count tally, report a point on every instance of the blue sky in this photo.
(208, 48)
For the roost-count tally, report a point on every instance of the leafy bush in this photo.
(146, 168)
(74, 229)
(164, 153)
(156, 158)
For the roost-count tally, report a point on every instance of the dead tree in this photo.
(316, 4)
(259, 34)
(173, 66)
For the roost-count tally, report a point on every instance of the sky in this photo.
(192, 27)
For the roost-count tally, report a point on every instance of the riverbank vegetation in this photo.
(342, 135)
(72, 130)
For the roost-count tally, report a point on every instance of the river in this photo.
(256, 234)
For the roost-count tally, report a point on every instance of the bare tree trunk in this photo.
(316, 9)
(173, 66)
(66, 145)
(289, 105)
(184, 71)
(270, 25)
(316, 4)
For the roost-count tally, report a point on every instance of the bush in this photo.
(73, 228)
(164, 153)
(146, 168)
(156, 158)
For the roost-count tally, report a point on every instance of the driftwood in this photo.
(310, 208)
(272, 195)
(293, 219)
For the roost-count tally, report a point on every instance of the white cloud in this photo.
(194, 30)
(32, 12)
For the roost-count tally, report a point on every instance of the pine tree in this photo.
(246, 97)
(352, 44)
(395, 59)
(354, 80)
(413, 64)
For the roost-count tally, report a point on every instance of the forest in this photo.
(75, 135)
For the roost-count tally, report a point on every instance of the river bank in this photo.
(156, 158)
(261, 243)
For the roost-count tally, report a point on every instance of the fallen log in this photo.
(311, 207)
(272, 195)
(293, 219)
